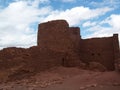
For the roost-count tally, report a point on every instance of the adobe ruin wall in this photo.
(59, 44)
(59, 37)
(98, 50)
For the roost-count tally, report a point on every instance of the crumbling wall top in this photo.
(56, 23)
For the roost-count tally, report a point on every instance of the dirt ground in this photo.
(62, 78)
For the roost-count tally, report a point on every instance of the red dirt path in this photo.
(62, 78)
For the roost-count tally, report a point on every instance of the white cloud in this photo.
(18, 18)
(103, 31)
(75, 15)
(114, 21)
(110, 3)
(89, 24)
(36, 3)
(16, 22)
(68, 0)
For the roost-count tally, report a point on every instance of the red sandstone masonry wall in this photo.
(73, 57)
(116, 46)
(116, 52)
(58, 45)
(11, 57)
(54, 35)
(98, 50)
(55, 43)
(58, 37)
(32, 59)
(42, 58)
(75, 36)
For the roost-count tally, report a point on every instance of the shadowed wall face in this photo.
(98, 50)
(116, 46)
(54, 35)
(75, 36)
(116, 52)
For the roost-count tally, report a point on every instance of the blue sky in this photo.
(19, 19)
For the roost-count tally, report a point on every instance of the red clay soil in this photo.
(62, 78)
